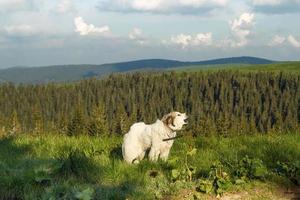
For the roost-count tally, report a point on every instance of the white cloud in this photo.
(281, 40)
(64, 6)
(241, 29)
(137, 35)
(184, 40)
(85, 29)
(10, 2)
(274, 2)
(19, 30)
(199, 3)
(266, 2)
(162, 6)
(9, 6)
(144, 4)
(293, 41)
(277, 40)
(203, 39)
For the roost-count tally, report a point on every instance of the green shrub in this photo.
(248, 168)
(217, 182)
(187, 171)
(290, 170)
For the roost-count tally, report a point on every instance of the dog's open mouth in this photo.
(185, 120)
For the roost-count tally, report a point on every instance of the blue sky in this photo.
(49, 32)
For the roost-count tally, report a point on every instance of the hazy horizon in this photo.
(124, 61)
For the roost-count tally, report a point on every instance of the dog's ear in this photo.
(168, 119)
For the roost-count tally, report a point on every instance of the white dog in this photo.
(142, 137)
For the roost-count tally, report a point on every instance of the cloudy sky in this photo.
(48, 32)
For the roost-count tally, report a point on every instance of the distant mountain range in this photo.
(64, 73)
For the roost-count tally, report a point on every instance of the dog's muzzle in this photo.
(185, 120)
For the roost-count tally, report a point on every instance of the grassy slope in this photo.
(275, 67)
(43, 166)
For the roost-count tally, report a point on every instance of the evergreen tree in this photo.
(223, 125)
(98, 124)
(62, 124)
(37, 120)
(204, 126)
(122, 124)
(252, 124)
(2, 125)
(14, 126)
(77, 125)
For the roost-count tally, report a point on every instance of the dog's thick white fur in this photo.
(142, 137)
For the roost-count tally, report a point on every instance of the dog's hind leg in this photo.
(139, 158)
(142, 155)
(135, 161)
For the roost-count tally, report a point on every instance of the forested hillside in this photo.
(291, 67)
(220, 102)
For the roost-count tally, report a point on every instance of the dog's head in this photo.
(175, 120)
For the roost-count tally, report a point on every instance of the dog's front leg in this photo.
(154, 153)
(165, 154)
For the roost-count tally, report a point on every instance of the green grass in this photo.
(62, 167)
(291, 67)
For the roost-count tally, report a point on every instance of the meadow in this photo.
(55, 166)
